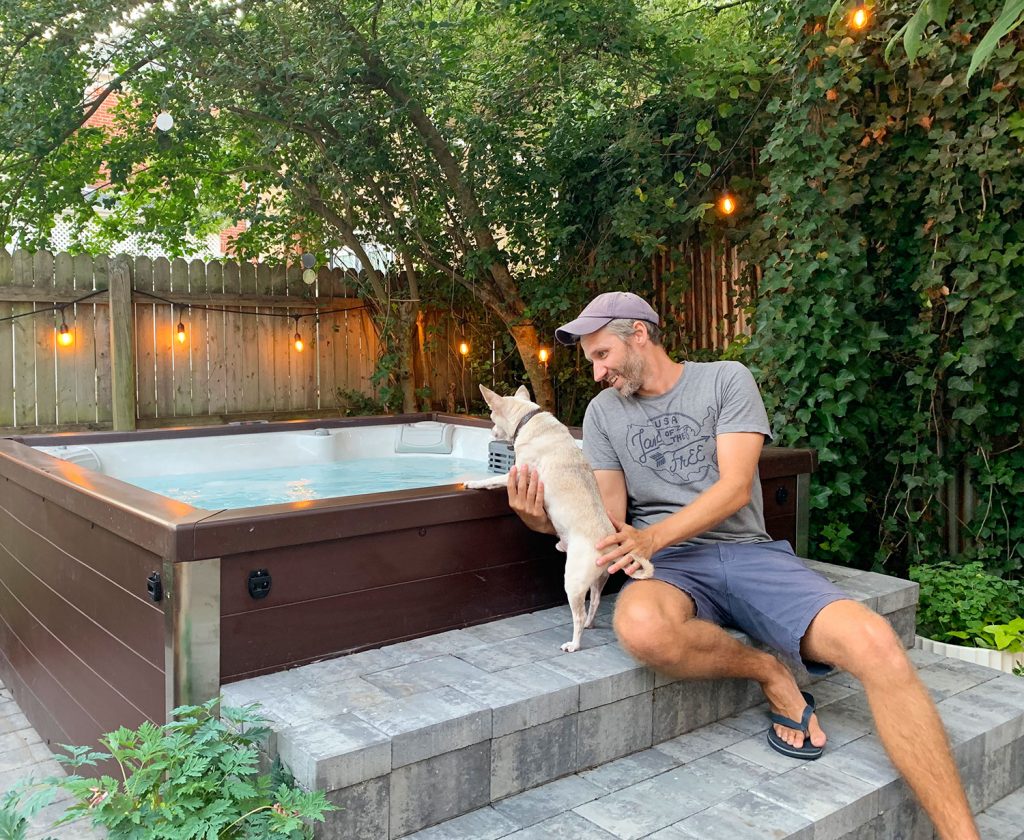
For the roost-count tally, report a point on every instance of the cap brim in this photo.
(570, 333)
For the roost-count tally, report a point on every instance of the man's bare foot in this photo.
(784, 698)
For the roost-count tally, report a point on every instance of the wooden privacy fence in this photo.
(238, 356)
(719, 290)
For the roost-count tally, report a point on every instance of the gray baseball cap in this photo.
(604, 309)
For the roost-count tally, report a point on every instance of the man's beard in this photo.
(631, 373)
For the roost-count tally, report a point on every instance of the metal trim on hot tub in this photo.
(192, 632)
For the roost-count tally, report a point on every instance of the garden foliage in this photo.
(954, 597)
(196, 778)
(890, 327)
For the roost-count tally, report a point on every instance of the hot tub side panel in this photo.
(369, 574)
(81, 647)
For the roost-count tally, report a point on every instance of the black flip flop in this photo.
(808, 752)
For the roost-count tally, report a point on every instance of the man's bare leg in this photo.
(655, 623)
(852, 637)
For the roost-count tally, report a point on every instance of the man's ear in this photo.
(523, 393)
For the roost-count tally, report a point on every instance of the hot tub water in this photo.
(253, 487)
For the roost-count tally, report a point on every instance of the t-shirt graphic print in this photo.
(675, 445)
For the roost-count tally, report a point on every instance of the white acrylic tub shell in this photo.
(270, 450)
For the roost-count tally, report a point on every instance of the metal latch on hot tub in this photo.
(259, 583)
(155, 588)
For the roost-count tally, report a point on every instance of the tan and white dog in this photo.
(571, 497)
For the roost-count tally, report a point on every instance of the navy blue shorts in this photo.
(760, 588)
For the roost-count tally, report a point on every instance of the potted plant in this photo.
(967, 604)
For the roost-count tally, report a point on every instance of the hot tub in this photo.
(116, 603)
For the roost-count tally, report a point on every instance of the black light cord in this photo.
(62, 306)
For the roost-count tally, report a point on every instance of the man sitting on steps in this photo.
(675, 447)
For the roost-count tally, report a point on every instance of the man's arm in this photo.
(612, 484)
(738, 454)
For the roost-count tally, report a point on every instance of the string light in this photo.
(727, 204)
(65, 335)
(65, 338)
(464, 348)
(859, 18)
(543, 355)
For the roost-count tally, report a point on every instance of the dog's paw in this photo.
(561, 546)
(569, 647)
(486, 483)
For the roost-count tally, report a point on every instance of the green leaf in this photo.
(1009, 19)
(914, 30)
(938, 11)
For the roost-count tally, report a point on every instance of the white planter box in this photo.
(998, 659)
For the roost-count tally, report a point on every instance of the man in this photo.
(675, 448)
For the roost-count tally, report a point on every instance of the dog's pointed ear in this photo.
(523, 393)
(490, 397)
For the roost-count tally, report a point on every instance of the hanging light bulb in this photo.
(543, 355)
(859, 18)
(464, 348)
(65, 338)
(181, 332)
(727, 204)
(299, 346)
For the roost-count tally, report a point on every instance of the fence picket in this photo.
(145, 347)
(284, 330)
(253, 366)
(6, 343)
(215, 345)
(195, 341)
(45, 331)
(181, 374)
(24, 346)
(66, 367)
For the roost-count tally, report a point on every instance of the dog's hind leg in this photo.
(595, 599)
(576, 604)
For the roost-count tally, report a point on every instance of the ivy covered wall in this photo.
(890, 326)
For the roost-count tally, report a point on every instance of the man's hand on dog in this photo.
(526, 498)
(627, 541)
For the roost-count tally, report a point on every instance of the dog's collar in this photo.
(526, 419)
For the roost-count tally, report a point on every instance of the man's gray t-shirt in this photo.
(665, 445)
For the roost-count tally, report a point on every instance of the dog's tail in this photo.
(646, 569)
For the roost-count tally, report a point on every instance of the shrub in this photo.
(955, 598)
(195, 778)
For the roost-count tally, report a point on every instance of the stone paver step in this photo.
(723, 782)
(409, 735)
